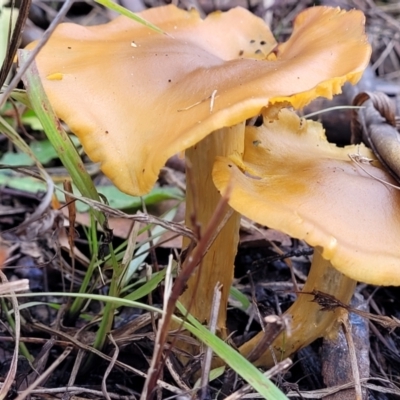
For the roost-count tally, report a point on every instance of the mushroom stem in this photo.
(308, 321)
(201, 200)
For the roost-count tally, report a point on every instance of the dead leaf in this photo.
(375, 125)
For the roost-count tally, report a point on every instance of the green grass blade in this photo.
(241, 298)
(234, 359)
(21, 96)
(16, 138)
(74, 311)
(124, 11)
(56, 134)
(148, 287)
(22, 346)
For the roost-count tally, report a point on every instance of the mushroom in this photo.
(291, 179)
(135, 97)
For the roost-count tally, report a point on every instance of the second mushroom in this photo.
(291, 179)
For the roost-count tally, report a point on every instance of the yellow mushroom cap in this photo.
(293, 180)
(135, 97)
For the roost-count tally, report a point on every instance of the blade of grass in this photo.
(74, 310)
(234, 359)
(241, 298)
(17, 140)
(148, 287)
(21, 96)
(57, 136)
(22, 346)
(106, 322)
(124, 11)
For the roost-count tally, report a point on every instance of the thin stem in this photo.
(108, 312)
(307, 321)
(73, 313)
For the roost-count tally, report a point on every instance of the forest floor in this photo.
(54, 258)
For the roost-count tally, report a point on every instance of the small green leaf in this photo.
(243, 300)
(124, 11)
(29, 118)
(148, 287)
(13, 159)
(24, 183)
(120, 200)
(43, 150)
(214, 374)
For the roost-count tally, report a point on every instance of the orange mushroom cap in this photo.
(135, 97)
(297, 182)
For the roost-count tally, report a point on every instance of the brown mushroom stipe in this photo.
(291, 179)
(202, 157)
(135, 97)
